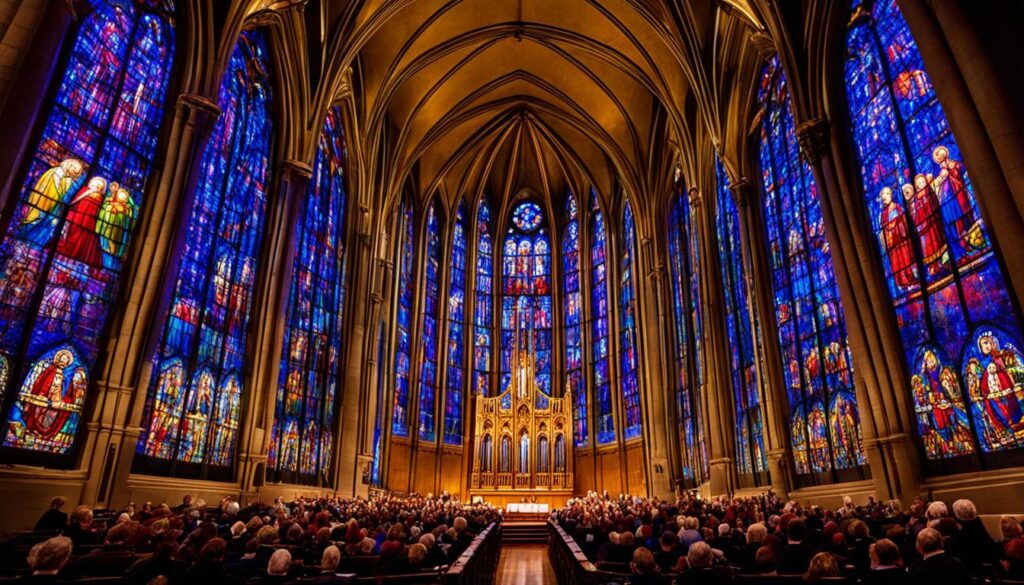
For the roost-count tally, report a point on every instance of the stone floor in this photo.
(525, 564)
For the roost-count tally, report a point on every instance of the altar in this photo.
(522, 444)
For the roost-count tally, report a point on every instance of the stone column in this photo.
(269, 320)
(719, 422)
(774, 403)
(353, 444)
(121, 389)
(656, 392)
(662, 286)
(999, 189)
(886, 413)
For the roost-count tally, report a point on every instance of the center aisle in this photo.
(525, 564)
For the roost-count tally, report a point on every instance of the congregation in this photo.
(310, 540)
(711, 541)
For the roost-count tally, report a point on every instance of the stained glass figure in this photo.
(431, 302)
(684, 273)
(200, 358)
(750, 451)
(62, 252)
(483, 309)
(599, 305)
(573, 335)
(403, 326)
(629, 356)
(816, 361)
(944, 278)
(456, 336)
(526, 294)
(311, 350)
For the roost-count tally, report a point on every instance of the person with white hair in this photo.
(328, 567)
(435, 556)
(974, 545)
(47, 557)
(935, 512)
(278, 566)
(699, 560)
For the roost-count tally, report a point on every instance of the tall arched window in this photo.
(600, 368)
(629, 359)
(483, 309)
(683, 267)
(824, 423)
(750, 453)
(62, 253)
(431, 298)
(526, 304)
(403, 326)
(573, 337)
(456, 334)
(961, 331)
(196, 388)
(301, 440)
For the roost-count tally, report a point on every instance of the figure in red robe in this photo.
(950, 185)
(927, 217)
(896, 240)
(997, 387)
(80, 240)
(45, 410)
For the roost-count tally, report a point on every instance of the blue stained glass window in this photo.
(599, 362)
(301, 439)
(483, 310)
(526, 299)
(403, 327)
(683, 267)
(431, 298)
(750, 451)
(945, 282)
(193, 401)
(629, 359)
(62, 252)
(456, 335)
(527, 217)
(817, 365)
(574, 320)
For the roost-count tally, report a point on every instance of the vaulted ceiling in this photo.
(496, 96)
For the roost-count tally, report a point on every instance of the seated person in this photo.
(796, 556)
(644, 569)
(823, 565)
(435, 556)
(47, 558)
(764, 561)
(936, 567)
(886, 566)
(700, 570)
(112, 559)
(278, 568)
(328, 568)
(80, 529)
(54, 518)
(668, 553)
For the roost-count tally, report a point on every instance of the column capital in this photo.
(764, 44)
(813, 137)
(202, 103)
(741, 191)
(298, 167)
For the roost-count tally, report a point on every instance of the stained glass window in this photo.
(80, 199)
(599, 363)
(456, 336)
(683, 267)
(573, 337)
(403, 327)
(301, 439)
(629, 357)
(960, 330)
(483, 309)
(196, 388)
(526, 300)
(824, 424)
(750, 451)
(431, 298)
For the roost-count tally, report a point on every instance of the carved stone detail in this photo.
(813, 136)
(764, 44)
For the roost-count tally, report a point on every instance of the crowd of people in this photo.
(712, 540)
(308, 539)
